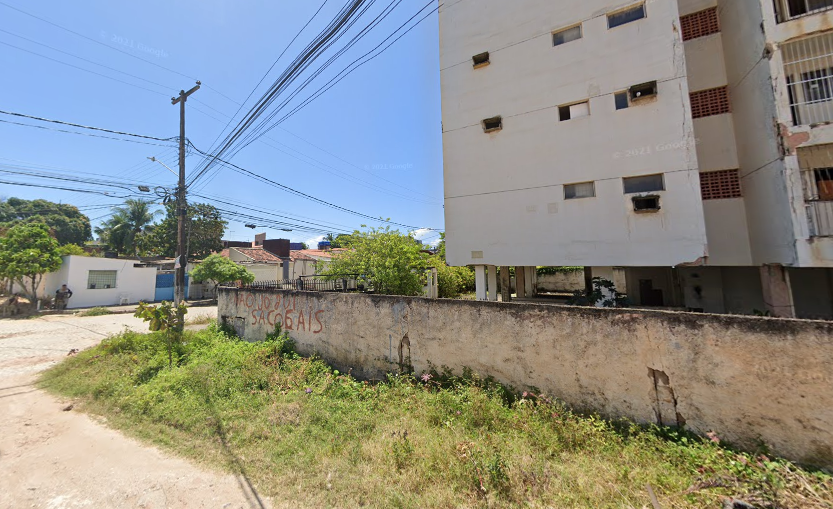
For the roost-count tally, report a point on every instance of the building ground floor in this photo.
(773, 289)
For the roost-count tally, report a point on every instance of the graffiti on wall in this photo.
(281, 310)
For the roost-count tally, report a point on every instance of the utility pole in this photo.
(181, 203)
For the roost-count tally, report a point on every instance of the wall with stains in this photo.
(748, 379)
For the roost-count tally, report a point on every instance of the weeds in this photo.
(307, 433)
(97, 311)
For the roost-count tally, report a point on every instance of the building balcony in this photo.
(818, 195)
(808, 68)
(787, 10)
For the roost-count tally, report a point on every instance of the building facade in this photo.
(681, 148)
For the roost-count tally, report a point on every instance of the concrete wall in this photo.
(745, 378)
(504, 190)
(561, 282)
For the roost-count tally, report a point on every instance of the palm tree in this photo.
(127, 223)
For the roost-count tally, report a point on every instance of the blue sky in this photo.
(371, 144)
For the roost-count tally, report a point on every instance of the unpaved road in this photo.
(55, 459)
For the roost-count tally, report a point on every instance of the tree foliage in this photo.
(165, 318)
(125, 228)
(341, 240)
(27, 252)
(205, 228)
(393, 262)
(221, 270)
(66, 223)
(72, 249)
(452, 281)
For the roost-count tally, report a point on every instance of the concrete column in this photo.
(778, 295)
(492, 277)
(505, 284)
(520, 282)
(531, 286)
(480, 281)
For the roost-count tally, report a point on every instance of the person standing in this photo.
(62, 295)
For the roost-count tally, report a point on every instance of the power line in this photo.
(103, 193)
(76, 132)
(122, 133)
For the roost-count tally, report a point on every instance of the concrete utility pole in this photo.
(181, 203)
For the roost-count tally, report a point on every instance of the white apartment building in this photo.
(682, 148)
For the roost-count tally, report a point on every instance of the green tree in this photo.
(452, 281)
(165, 318)
(123, 231)
(338, 241)
(205, 229)
(221, 270)
(27, 252)
(67, 224)
(72, 249)
(393, 262)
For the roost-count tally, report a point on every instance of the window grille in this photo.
(717, 185)
(700, 24)
(710, 102)
(789, 9)
(101, 279)
(808, 66)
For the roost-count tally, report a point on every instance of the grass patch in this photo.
(313, 437)
(96, 311)
(199, 319)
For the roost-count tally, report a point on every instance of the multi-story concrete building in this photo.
(689, 142)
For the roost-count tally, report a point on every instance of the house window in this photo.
(571, 111)
(643, 184)
(101, 279)
(582, 190)
(788, 9)
(718, 185)
(621, 99)
(818, 85)
(625, 16)
(700, 24)
(480, 60)
(492, 124)
(808, 70)
(710, 102)
(567, 35)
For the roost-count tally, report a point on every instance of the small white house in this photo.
(101, 281)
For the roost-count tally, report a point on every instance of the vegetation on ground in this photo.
(27, 252)
(96, 311)
(221, 270)
(310, 436)
(65, 222)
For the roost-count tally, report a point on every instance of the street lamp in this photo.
(155, 160)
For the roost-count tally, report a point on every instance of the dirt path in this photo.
(56, 459)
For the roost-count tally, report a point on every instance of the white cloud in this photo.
(427, 236)
(313, 242)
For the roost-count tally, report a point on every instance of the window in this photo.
(582, 190)
(700, 24)
(718, 185)
(571, 111)
(101, 279)
(802, 7)
(714, 101)
(621, 99)
(824, 183)
(818, 85)
(643, 90)
(567, 35)
(492, 124)
(645, 203)
(644, 184)
(480, 60)
(628, 15)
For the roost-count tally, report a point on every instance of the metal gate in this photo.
(165, 287)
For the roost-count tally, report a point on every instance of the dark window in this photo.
(644, 184)
(824, 183)
(563, 113)
(493, 124)
(799, 7)
(717, 185)
(818, 85)
(582, 190)
(572, 111)
(621, 100)
(643, 90)
(645, 203)
(700, 24)
(627, 16)
(566, 35)
(480, 60)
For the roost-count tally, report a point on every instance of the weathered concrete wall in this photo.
(748, 379)
(561, 282)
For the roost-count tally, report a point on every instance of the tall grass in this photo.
(313, 437)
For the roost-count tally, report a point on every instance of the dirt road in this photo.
(56, 459)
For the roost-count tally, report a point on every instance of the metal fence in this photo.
(334, 283)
